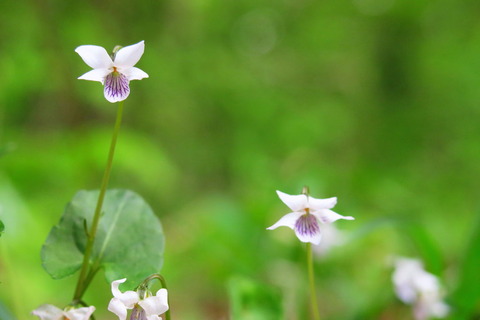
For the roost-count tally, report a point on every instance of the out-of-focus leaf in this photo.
(5, 314)
(2, 227)
(426, 246)
(254, 301)
(466, 298)
(129, 241)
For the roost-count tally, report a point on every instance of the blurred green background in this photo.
(376, 102)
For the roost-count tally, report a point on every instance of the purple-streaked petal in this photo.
(287, 220)
(138, 314)
(134, 73)
(318, 204)
(95, 75)
(118, 308)
(116, 87)
(307, 229)
(155, 305)
(128, 56)
(294, 202)
(80, 313)
(95, 57)
(48, 312)
(329, 216)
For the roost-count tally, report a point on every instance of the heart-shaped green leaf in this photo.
(129, 242)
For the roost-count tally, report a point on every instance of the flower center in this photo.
(307, 224)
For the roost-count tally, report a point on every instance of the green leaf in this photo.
(2, 227)
(129, 242)
(250, 300)
(466, 298)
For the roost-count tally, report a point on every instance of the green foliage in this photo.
(466, 298)
(129, 242)
(251, 300)
(2, 227)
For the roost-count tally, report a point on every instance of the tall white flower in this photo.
(115, 74)
(308, 213)
(145, 307)
(50, 312)
(415, 286)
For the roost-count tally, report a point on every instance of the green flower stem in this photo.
(160, 278)
(83, 280)
(311, 280)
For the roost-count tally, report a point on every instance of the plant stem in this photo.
(311, 280)
(82, 284)
(160, 278)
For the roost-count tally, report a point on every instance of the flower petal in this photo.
(116, 87)
(118, 307)
(95, 56)
(294, 202)
(155, 305)
(134, 73)
(153, 317)
(129, 56)
(80, 313)
(328, 216)
(128, 298)
(95, 75)
(307, 229)
(287, 220)
(48, 312)
(318, 204)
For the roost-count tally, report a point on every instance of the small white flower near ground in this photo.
(145, 306)
(417, 287)
(50, 312)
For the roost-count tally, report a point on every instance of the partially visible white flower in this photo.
(148, 307)
(50, 312)
(307, 214)
(415, 286)
(115, 74)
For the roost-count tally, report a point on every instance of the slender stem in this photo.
(311, 280)
(164, 285)
(82, 284)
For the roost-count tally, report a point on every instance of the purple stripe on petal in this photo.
(116, 87)
(307, 225)
(138, 314)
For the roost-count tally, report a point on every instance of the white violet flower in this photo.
(50, 312)
(415, 286)
(145, 307)
(115, 74)
(307, 215)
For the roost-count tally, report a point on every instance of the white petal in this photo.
(307, 229)
(155, 305)
(48, 312)
(95, 56)
(95, 75)
(118, 307)
(128, 298)
(153, 317)
(287, 220)
(294, 202)
(134, 73)
(129, 56)
(328, 216)
(80, 313)
(116, 87)
(318, 204)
